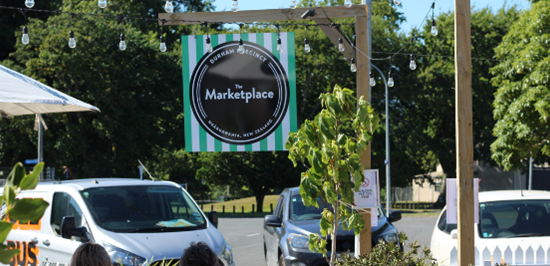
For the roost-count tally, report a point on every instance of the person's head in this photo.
(198, 254)
(91, 254)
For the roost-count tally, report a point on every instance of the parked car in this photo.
(286, 232)
(139, 222)
(513, 228)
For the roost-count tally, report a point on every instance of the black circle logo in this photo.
(239, 98)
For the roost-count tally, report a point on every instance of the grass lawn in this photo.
(239, 204)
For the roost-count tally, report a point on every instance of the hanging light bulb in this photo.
(353, 67)
(412, 64)
(162, 46)
(25, 38)
(391, 83)
(372, 81)
(102, 3)
(208, 45)
(396, 2)
(235, 6)
(306, 46)
(434, 28)
(72, 40)
(29, 3)
(341, 47)
(169, 6)
(292, 4)
(122, 43)
(240, 50)
(347, 3)
(279, 46)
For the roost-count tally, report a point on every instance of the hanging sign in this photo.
(239, 102)
(368, 195)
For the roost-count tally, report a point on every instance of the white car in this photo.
(139, 222)
(514, 228)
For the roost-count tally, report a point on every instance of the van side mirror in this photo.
(272, 220)
(394, 216)
(213, 218)
(454, 234)
(69, 229)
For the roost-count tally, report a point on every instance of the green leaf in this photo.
(30, 181)
(5, 229)
(16, 175)
(26, 210)
(6, 254)
(9, 195)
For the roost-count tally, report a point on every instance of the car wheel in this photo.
(282, 260)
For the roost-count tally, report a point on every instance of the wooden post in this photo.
(361, 39)
(464, 133)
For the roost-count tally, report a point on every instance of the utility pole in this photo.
(464, 133)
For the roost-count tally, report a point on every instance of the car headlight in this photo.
(227, 253)
(390, 238)
(123, 257)
(298, 241)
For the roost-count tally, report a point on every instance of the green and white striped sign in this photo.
(227, 94)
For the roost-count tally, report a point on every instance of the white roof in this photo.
(81, 184)
(503, 195)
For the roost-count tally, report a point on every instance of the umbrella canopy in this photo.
(21, 95)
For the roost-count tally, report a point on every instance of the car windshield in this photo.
(514, 219)
(300, 212)
(134, 209)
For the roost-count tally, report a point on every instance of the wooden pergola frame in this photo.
(463, 79)
(323, 16)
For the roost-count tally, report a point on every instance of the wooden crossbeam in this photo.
(285, 14)
(334, 34)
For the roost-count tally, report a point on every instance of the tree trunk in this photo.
(260, 202)
(333, 235)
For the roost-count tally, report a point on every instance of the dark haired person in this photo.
(198, 254)
(91, 254)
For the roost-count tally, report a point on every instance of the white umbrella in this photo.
(22, 95)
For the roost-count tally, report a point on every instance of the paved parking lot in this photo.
(245, 236)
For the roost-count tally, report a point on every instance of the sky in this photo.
(414, 10)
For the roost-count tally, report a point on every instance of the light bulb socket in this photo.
(240, 41)
(371, 75)
(161, 38)
(433, 22)
(390, 75)
(309, 13)
(71, 34)
(207, 40)
(353, 61)
(413, 57)
(279, 41)
(25, 30)
(340, 41)
(306, 41)
(122, 37)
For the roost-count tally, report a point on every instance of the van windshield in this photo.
(135, 209)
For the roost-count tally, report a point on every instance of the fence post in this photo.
(242, 208)
(253, 208)
(223, 209)
(212, 207)
(271, 207)
(233, 209)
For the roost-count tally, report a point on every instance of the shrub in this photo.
(391, 254)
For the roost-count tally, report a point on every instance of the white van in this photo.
(139, 222)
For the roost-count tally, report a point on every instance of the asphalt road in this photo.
(244, 235)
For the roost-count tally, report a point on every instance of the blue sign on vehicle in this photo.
(31, 161)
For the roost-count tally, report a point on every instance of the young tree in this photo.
(330, 147)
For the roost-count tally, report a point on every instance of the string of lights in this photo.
(170, 8)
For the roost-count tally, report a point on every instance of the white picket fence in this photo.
(537, 255)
